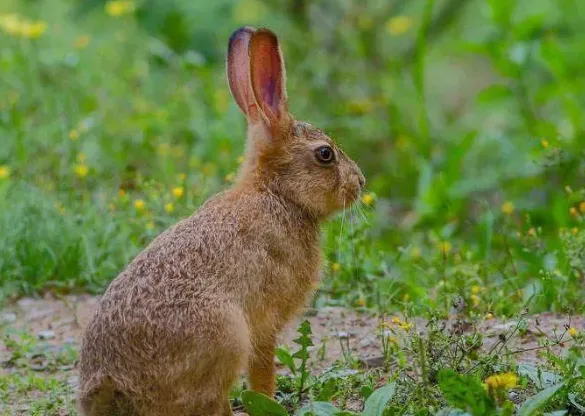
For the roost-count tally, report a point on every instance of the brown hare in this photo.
(206, 300)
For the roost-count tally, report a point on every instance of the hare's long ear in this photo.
(268, 75)
(238, 71)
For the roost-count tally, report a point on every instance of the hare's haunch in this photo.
(205, 301)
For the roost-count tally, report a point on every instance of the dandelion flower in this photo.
(572, 332)
(178, 191)
(360, 302)
(573, 211)
(508, 208)
(489, 316)
(32, 30)
(368, 199)
(398, 25)
(575, 230)
(240, 159)
(169, 207)
(544, 143)
(475, 289)
(476, 300)
(4, 172)
(229, 178)
(81, 170)
(445, 247)
(139, 205)
(73, 135)
(415, 252)
(503, 381)
(336, 267)
(120, 8)
(582, 207)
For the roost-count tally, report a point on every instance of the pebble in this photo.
(47, 334)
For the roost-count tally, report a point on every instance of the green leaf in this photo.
(534, 403)
(573, 399)
(465, 393)
(257, 404)
(318, 409)
(285, 357)
(494, 94)
(327, 390)
(378, 400)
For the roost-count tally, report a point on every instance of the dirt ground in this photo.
(61, 321)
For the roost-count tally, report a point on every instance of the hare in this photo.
(206, 300)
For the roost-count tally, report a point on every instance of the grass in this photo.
(116, 121)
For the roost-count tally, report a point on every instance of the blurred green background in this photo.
(465, 115)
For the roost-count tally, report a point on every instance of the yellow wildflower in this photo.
(572, 332)
(401, 324)
(475, 289)
(398, 25)
(544, 143)
(445, 247)
(368, 199)
(169, 207)
(139, 205)
(336, 267)
(81, 170)
(229, 177)
(508, 208)
(415, 252)
(582, 207)
(178, 191)
(81, 42)
(360, 302)
(4, 172)
(503, 381)
(489, 316)
(121, 193)
(573, 211)
(33, 30)
(240, 159)
(74, 135)
(532, 232)
(120, 8)
(574, 230)
(475, 300)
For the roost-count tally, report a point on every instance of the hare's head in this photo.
(290, 158)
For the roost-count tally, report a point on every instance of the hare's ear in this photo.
(238, 71)
(268, 75)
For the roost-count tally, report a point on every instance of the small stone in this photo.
(47, 334)
(7, 318)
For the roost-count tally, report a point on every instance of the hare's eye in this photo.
(325, 154)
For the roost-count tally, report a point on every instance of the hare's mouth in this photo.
(349, 195)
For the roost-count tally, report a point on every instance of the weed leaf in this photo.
(537, 401)
(318, 409)
(257, 404)
(378, 400)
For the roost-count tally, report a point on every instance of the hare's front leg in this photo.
(261, 369)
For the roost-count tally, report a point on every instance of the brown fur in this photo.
(205, 301)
